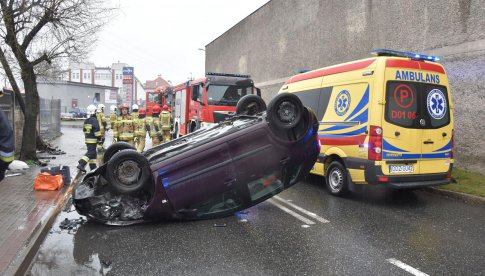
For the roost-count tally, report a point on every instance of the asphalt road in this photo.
(373, 232)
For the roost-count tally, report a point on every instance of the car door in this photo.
(199, 180)
(436, 141)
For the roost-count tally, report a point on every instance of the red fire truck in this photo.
(161, 95)
(209, 100)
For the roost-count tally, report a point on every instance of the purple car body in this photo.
(209, 173)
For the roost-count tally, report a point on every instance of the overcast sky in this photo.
(163, 36)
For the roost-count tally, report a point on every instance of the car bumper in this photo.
(374, 175)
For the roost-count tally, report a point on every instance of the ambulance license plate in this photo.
(401, 169)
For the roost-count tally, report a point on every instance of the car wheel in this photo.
(336, 179)
(128, 171)
(285, 111)
(250, 105)
(114, 148)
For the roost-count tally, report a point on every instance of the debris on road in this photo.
(71, 224)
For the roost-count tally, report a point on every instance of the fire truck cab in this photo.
(162, 96)
(205, 101)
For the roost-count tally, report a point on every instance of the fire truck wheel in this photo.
(285, 111)
(128, 171)
(250, 105)
(114, 148)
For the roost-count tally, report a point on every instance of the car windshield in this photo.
(226, 94)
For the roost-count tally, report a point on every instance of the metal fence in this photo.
(50, 118)
(48, 122)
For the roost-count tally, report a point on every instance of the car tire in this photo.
(128, 172)
(250, 105)
(336, 179)
(285, 111)
(114, 148)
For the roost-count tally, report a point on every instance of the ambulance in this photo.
(383, 120)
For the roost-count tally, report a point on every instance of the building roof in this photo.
(152, 84)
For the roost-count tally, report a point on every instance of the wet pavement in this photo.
(24, 211)
(303, 231)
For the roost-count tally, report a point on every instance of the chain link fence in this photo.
(48, 122)
(49, 118)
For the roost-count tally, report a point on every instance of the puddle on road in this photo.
(70, 251)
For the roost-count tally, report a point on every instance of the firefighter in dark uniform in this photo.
(6, 142)
(92, 134)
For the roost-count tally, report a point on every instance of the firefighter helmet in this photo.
(134, 107)
(100, 108)
(113, 108)
(91, 109)
(165, 108)
(156, 109)
(124, 106)
(142, 111)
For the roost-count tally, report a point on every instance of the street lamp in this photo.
(201, 49)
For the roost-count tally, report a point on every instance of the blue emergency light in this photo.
(386, 52)
(302, 70)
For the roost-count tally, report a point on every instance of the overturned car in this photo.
(212, 172)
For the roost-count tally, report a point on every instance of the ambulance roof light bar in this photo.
(386, 52)
(228, 75)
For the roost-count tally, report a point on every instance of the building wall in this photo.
(285, 35)
(66, 92)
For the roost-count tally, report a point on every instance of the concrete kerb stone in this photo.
(24, 257)
(470, 199)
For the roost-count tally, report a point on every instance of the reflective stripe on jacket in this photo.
(165, 118)
(92, 132)
(141, 127)
(125, 127)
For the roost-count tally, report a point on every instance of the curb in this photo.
(470, 199)
(21, 263)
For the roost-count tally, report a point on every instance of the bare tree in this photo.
(42, 31)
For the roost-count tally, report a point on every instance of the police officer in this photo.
(103, 125)
(6, 142)
(124, 126)
(92, 136)
(113, 116)
(141, 127)
(165, 122)
(154, 123)
(134, 111)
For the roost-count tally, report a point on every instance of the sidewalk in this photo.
(24, 213)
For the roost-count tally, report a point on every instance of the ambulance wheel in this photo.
(250, 105)
(114, 148)
(128, 171)
(336, 179)
(285, 111)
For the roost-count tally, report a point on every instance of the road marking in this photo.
(306, 212)
(406, 267)
(290, 212)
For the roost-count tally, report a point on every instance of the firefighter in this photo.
(165, 123)
(141, 127)
(103, 125)
(6, 142)
(124, 126)
(92, 135)
(154, 123)
(113, 116)
(134, 111)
